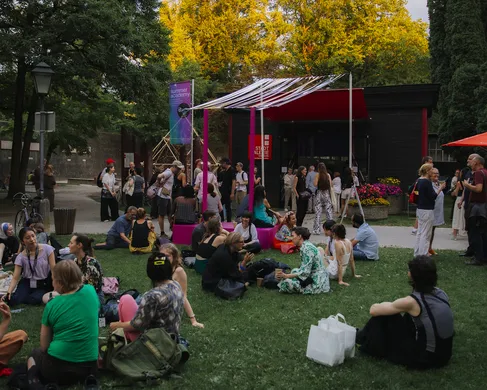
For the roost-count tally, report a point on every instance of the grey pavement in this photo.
(82, 197)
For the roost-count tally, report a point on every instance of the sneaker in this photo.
(414, 231)
(432, 252)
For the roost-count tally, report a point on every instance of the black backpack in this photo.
(99, 179)
(264, 267)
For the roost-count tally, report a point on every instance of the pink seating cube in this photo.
(266, 236)
(181, 234)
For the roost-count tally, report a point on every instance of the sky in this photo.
(418, 9)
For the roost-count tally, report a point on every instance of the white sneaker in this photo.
(414, 231)
(286, 210)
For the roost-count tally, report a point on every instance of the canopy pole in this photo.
(205, 161)
(261, 137)
(252, 158)
(350, 124)
(191, 168)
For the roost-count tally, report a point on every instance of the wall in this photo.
(74, 166)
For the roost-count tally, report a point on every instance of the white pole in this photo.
(350, 125)
(192, 134)
(261, 138)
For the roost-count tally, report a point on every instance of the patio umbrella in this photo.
(476, 140)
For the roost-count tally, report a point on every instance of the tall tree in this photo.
(104, 54)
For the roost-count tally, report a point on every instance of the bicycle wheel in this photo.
(19, 221)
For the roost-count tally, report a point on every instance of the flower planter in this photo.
(396, 204)
(372, 213)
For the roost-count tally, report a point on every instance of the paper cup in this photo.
(277, 272)
(260, 281)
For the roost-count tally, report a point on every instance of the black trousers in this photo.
(154, 208)
(302, 206)
(135, 200)
(477, 237)
(109, 209)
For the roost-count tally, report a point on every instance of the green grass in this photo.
(259, 342)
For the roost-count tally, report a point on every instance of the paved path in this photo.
(82, 197)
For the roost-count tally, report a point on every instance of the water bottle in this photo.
(101, 319)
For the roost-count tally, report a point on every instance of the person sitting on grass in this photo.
(12, 342)
(68, 352)
(9, 244)
(42, 236)
(200, 230)
(226, 263)
(284, 233)
(118, 235)
(81, 247)
(213, 238)
(249, 233)
(142, 236)
(32, 273)
(161, 307)
(329, 251)
(311, 277)
(415, 331)
(366, 242)
(179, 275)
(337, 266)
(184, 207)
(262, 207)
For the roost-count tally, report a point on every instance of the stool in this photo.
(181, 234)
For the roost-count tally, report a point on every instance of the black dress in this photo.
(140, 235)
(11, 247)
(222, 265)
(302, 205)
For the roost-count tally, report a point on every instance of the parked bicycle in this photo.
(29, 211)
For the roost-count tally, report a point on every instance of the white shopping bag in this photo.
(350, 332)
(326, 345)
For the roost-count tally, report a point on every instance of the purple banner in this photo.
(179, 115)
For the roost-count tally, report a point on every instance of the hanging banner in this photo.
(258, 147)
(179, 116)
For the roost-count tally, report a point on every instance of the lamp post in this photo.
(42, 75)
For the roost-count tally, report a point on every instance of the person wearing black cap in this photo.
(227, 188)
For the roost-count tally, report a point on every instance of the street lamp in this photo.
(42, 75)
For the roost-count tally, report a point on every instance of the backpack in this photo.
(99, 178)
(155, 354)
(264, 267)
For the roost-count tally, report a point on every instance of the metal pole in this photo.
(261, 138)
(192, 135)
(205, 161)
(252, 158)
(350, 124)
(41, 148)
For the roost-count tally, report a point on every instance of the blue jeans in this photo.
(112, 243)
(25, 294)
(359, 255)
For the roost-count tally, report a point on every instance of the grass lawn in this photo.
(259, 342)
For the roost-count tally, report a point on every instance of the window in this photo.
(435, 150)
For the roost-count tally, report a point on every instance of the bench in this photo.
(181, 234)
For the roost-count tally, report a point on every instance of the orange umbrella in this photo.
(476, 140)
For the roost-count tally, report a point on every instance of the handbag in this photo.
(305, 195)
(128, 187)
(414, 195)
(350, 332)
(326, 344)
(230, 289)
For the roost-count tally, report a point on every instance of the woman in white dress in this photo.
(458, 221)
(439, 212)
(337, 265)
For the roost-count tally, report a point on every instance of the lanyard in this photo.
(33, 270)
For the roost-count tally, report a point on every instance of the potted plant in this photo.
(373, 203)
(390, 189)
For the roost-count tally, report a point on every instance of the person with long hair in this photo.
(458, 220)
(311, 277)
(9, 244)
(179, 275)
(262, 209)
(439, 212)
(301, 195)
(161, 307)
(284, 234)
(425, 209)
(142, 236)
(213, 200)
(32, 273)
(68, 350)
(323, 184)
(417, 330)
(213, 238)
(184, 208)
(81, 247)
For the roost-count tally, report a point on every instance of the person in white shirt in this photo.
(198, 184)
(242, 179)
(337, 187)
(248, 231)
(109, 196)
(166, 181)
(289, 191)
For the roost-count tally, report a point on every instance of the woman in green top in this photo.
(69, 332)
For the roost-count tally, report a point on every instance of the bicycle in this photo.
(23, 215)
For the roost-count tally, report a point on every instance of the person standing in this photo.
(166, 181)
(139, 187)
(425, 209)
(439, 212)
(477, 212)
(153, 210)
(425, 160)
(199, 165)
(311, 186)
(227, 188)
(109, 196)
(242, 180)
(49, 185)
(289, 190)
(301, 194)
(322, 198)
(337, 188)
(179, 183)
(257, 177)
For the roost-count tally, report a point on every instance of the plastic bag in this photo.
(326, 344)
(350, 332)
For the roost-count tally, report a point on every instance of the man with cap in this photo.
(227, 188)
(166, 181)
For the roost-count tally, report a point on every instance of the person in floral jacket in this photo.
(311, 277)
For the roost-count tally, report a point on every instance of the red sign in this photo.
(258, 147)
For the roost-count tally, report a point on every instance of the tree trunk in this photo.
(29, 134)
(17, 183)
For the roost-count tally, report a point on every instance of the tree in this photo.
(104, 54)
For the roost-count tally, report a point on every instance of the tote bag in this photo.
(350, 332)
(326, 344)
